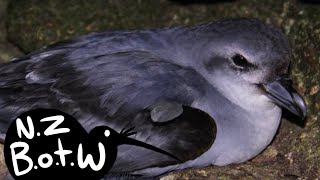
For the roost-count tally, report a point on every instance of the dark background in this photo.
(27, 25)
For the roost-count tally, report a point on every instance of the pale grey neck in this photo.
(241, 134)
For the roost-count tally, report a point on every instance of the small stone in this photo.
(314, 90)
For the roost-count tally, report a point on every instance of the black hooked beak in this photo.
(282, 94)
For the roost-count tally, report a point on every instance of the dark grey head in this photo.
(246, 60)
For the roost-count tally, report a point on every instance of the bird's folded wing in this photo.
(110, 84)
(114, 84)
(116, 89)
(187, 137)
(132, 82)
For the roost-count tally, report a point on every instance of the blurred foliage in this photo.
(295, 153)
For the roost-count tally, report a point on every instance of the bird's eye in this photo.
(241, 61)
(107, 133)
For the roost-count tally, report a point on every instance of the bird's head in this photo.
(248, 61)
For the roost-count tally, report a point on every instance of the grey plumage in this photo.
(116, 78)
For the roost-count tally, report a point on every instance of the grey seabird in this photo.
(233, 70)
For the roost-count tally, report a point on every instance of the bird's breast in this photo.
(240, 139)
(241, 133)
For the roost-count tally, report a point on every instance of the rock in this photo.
(8, 52)
(3, 168)
(295, 152)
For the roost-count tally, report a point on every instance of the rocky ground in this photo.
(295, 152)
